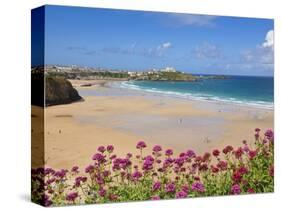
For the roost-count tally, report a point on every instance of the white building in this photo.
(169, 69)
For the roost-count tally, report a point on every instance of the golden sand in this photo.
(74, 131)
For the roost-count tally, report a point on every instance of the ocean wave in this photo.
(198, 96)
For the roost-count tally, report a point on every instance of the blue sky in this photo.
(137, 40)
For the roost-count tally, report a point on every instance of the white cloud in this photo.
(159, 51)
(269, 40)
(257, 60)
(134, 49)
(263, 53)
(207, 51)
(195, 20)
(166, 45)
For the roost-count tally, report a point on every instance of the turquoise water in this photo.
(245, 90)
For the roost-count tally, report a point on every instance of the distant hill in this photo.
(166, 76)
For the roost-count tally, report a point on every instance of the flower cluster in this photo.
(160, 174)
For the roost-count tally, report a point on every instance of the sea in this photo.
(253, 91)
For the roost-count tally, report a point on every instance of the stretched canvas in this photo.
(137, 105)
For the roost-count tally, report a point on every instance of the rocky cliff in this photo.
(59, 91)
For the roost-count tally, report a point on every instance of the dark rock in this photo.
(59, 91)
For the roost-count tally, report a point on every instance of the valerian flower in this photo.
(71, 196)
(181, 194)
(169, 152)
(269, 134)
(235, 189)
(101, 149)
(170, 187)
(136, 175)
(216, 152)
(198, 186)
(75, 169)
(141, 145)
(110, 148)
(100, 158)
(157, 148)
(156, 186)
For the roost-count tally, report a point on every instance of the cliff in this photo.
(59, 91)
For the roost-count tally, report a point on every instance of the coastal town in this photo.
(153, 74)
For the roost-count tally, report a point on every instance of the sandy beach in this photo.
(122, 117)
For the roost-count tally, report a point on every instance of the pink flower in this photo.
(243, 170)
(102, 192)
(99, 157)
(89, 169)
(237, 177)
(101, 149)
(181, 194)
(169, 152)
(75, 169)
(141, 145)
(110, 148)
(61, 173)
(227, 149)
(190, 154)
(148, 163)
(222, 165)
(157, 148)
(252, 154)
(246, 148)
(235, 189)
(198, 186)
(216, 152)
(168, 162)
(179, 161)
(238, 153)
(170, 187)
(136, 175)
(269, 134)
(48, 171)
(71, 196)
(214, 169)
(78, 180)
(156, 186)
(251, 191)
